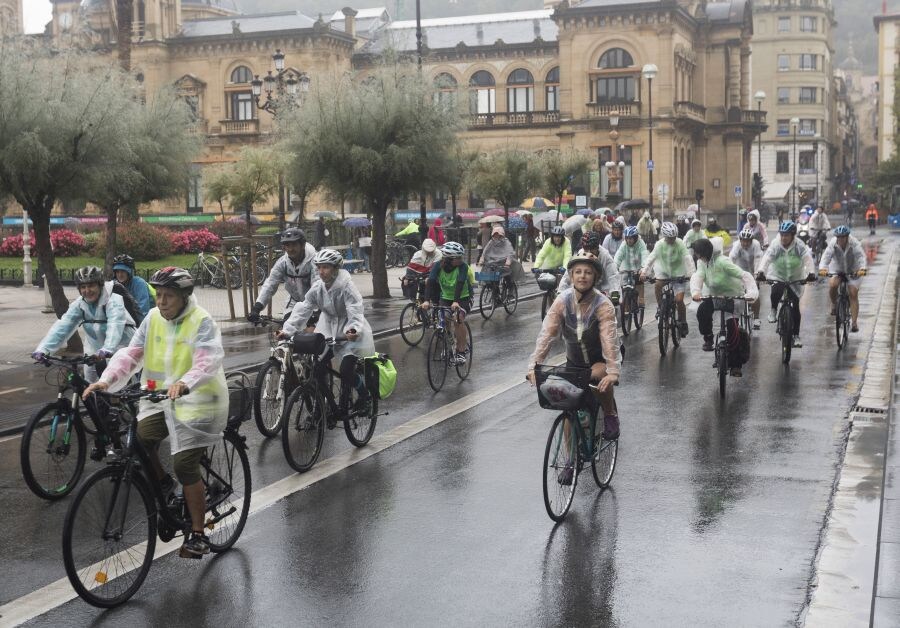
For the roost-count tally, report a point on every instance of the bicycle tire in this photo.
(268, 399)
(545, 304)
(406, 253)
(558, 496)
(359, 428)
(786, 326)
(229, 462)
(303, 428)
(511, 298)
(625, 315)
(31, 451)
(437, 360)
(487, 301)
(722, 363)
(663, 336)
(462, 370)
(198, 274)
(674, 328)
(603, 464)
(95, 564)
(412, 327)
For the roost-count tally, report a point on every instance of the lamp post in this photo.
(26, 251)
(795, 122)
(281, 87)
(649, 72)
(816, 165)
(423, 216)
(760, 96)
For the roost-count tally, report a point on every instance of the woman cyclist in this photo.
(747, 253)
(143, 293)
(555, 253)
(631, 257)
(499, 253)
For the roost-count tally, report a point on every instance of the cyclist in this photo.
(450, 285)
(787, 260)
(555, 252)
(101, 313)
(722, 278)
(143, 293)
(742, 219)
(499, 252)
(754, 222)
(178, 345)
(747, 254)
(631, 257)
(420, 264)
(713, 230)
(694, 234)
(586, 318)
(342, 313)
(614, 240)
(647, 229)
(410, 233)
(872, 217)
(844, 254)
(608, 282)
(294, 269)
(670, 258)
(818, 227)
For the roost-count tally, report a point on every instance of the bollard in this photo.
(48, 302)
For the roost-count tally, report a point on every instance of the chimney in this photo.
(349, 21)
(537, 28)
(479, 33)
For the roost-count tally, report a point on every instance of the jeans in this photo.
(794, 301)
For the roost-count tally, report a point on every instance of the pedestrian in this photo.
(872, 217)
(484, 236)
(436, 232)
(321, 232)
(365, 247)
(531, 234)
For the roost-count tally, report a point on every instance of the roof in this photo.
(473, 30)
(263, 23)
(885, 17)
(612, 3)
(729, 12)
(367, 20)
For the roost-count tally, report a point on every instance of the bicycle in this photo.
(111, 526)
(631, 311)
(574, 438)
(312, 406)
(738, 308)
(667, 315)
(209, 270)
(784, 319)
(817, 247)
(442, 349)
(52, 453)
(548, 281)
(398, 253)
(496, 290)
(842, 311)
(413, 319)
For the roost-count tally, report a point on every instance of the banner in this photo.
(184, 219)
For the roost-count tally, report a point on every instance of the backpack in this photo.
(131, 305)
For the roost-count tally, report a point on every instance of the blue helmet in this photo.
(842, 230)
(788, 226)
(630, 232)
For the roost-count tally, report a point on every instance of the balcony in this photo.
(198, 127)
(240, 127)
(605, 109)
(687, 109)
(529, 118)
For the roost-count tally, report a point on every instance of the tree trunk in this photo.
(124, 18)
(222, 210)
(380, 289)
(112, 215)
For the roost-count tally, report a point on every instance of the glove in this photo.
(760, 276)
(614, 297)
(536, 271)
(253, 316)
(862, 272)
(38, 356)
(104, 354)
(823, 272)
(811, 277)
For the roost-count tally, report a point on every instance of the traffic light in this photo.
(698, 194)
(859, 186)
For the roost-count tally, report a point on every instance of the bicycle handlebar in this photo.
(772, 282)
(50, 360)
(667, 280)
(132, 394)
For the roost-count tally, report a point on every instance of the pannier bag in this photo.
(380, 375)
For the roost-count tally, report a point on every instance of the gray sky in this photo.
(37, 14)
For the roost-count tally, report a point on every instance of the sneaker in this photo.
(683, 329)
(196, 545)
(610, 427)
(854, 328)
(797, 343)
(736, 372)
(772, 316)
(656, 316)
(756, 323)
(462, 357)
(568, 473)
(708, 343)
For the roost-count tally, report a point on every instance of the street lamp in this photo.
(760, 96)
(423, 216)
(795, 122)
(649, 72)
(816, 164)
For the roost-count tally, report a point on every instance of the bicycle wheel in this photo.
(463, 369)
(487, 301)
(842, 321)
(637, 311)
(52, 452)
(406, 254)
(412, 327)
(511, 297)
(268, 398)
(546, 301)
(226, 476)
(234, 274)
(722, 363)
(360, 426)
(785, 327)
(673, 328)
(603, 464)
(437, 360)
(109, 536)
(303, 429)
(625, 315)
(560, 460)
(199, 274)
(663, 335)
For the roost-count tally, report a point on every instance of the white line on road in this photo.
(57, 593)
(12, 390)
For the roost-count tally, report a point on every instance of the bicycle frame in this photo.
(76, 383)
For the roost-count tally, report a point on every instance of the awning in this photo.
(776, 191)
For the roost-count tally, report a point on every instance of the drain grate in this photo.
(869, 410)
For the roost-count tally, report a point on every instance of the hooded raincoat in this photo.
(631, 258)
(747, 259)
(142, 292)
(669, 260)
(793, 263)
(847, 261)
(297, 278)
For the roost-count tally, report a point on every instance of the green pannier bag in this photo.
(381, 375)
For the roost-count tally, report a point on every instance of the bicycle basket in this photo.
(546, 281)
(240, 396)
(380, 375)
(561, 387)
(308, 344)
(487, 275)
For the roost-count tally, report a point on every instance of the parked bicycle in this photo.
(668, 315)
(842, 310)
(275, 381)
(575, 437)
(784, 318)
(496, 290)
(548, 281)
(442, 348)
(53, 449)
(631, 312)
(413, 319)
(398, 253)
(209, 270)
(312, 407)
(111, 527)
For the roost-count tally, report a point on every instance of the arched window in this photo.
(614, 87)
(482, 93)
(551, 87)
(615, 58)
(520, 91)
(241, 74)
(445, 87)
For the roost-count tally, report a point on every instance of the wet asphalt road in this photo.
(713, 518)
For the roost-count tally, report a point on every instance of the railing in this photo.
(691, 110)
(753, 116)
(604, 110)
(199, 127)
(240, 127)
(487, 120)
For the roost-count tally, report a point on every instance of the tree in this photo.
(508, 176)
(459, 170)
(560, 169)
(378, 139)
(218, 187)
(302, 179)
(254, 179)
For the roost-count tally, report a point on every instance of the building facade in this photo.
(12, 20)
(559, 78)
(888, 28)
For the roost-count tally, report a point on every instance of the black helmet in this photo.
(123, 260)
(703, 248)
(293, 234)
(590, 240)
(88, 274)
(173, 277)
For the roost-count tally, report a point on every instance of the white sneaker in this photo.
(756, 323)
(797, 343)
(772, 315)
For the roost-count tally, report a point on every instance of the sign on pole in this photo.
(738, 191)
(650, 165)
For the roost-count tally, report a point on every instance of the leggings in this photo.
(347, 370)
(793, 299)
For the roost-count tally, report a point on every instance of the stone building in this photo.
(561, 77)
(11, 17)
(887, 25)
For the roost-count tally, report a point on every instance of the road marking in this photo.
(57, 593)
(12, 390)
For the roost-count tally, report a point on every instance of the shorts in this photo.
(464, 302)
(152, 430)
(678, 287)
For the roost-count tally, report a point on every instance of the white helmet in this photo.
(329, 256)
(669, 230)
(453, 249)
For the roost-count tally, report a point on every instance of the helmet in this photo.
(428, 245)
(173, 277)
(328, 256)
(293, 234)
(618, 223)
(123, 260)
(788, 226)
(452, 250)
(746, 234)
(88, 274)
(842, 230)
(558, 231)
(669, 230)
(586, 258)
(703, 248)
(630, 232)
(590, 240)
(696, 221)
(712, 220)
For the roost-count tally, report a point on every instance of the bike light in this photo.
(151, 384)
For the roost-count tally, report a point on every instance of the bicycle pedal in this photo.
(183, 553)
